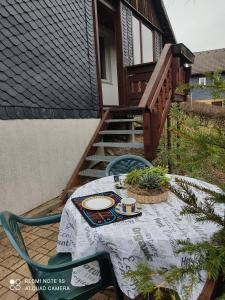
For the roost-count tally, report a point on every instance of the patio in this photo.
(41, 243)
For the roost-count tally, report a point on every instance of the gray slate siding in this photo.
(201, 94)
(47, 60)
(127, 36)
(158, 44)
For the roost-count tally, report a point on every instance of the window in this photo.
(202, 81)
(142, 42)
(105, 57)
(136, 41)
(147, 44)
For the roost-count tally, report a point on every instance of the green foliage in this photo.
(206, 255)
(149, 177)
(143, 277)
(149, 181)
(198, 147)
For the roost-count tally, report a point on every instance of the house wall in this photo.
(47, 60)
(37, 157)
(201, 94)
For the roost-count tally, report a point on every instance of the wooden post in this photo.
(151, 124)
(148, 140)
(178, 136)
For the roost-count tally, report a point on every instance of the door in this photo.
(108, 55)
(108, 64)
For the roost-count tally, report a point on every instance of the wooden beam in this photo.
(150, 133)
(97, 51)
(209, 290)
(119, 54)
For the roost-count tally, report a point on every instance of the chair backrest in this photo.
(126, 163)
(11, 226)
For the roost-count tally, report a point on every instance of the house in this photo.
(73, 74)
(207, 62)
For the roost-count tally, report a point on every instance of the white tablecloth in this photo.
(150, 238)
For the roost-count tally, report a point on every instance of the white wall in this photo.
(37, 157)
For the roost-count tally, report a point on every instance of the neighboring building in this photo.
(61, 63)
(207, 62)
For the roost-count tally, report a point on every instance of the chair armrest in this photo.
(73, 264)
(39, 220)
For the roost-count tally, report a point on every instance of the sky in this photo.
(199, 24)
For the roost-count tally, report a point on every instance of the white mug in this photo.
(128, 205)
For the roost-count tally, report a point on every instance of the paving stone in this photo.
(30, 235)
(43, 232)
(52, 253)
(35, 297)
(37, 257)
(4, 272)
(28, 241)
(5, 242)
(32, 253)
(3, 290)
(54, 236)
(9, 296)
(2, 248)
(6, 253)
(24, 271)
(6, 281)
(34, 229)
(43, 260)
(27, 289)
(17, 265)
(42, 250)
(27, 228)
(50, 245)
(10, 261)
(37, 243)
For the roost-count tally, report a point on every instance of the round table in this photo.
(150, 238)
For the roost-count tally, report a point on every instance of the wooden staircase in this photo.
(150, 92)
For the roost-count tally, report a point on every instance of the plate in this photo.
(98, 202)
(137, 212)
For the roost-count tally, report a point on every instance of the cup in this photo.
(128, 205)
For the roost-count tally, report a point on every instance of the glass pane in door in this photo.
(136, 41)
(147, 44)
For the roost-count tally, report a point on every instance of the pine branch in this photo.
(218, 197)
(203, 212)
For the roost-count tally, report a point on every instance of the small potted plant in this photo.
(148, 185)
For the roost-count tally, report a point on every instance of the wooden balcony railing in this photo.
(137, 79)
(168, 73)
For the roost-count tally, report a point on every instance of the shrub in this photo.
(149, 177)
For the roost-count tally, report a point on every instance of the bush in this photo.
(149, 177)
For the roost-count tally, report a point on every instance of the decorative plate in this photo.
(137, 212)
(98, 202)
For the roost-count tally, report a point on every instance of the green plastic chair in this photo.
(126, 163)
(60, 266)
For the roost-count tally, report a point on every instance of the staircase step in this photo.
(92, 173)
(101, 158)
(119, 145)
(119, 120)
(121, 132)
